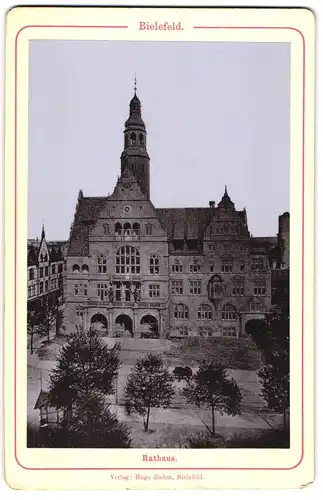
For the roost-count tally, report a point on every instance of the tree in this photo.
(49, 313)
(149, 385)
(93, 425)
(274, 345)
(85, 366)
(212, 389)
(33, 326)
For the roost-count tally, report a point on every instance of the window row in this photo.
(127, 261)
(119, 292)
(204, 331)
(44, 287)
(228, 312)
(44, 271)
(127, 229)
(215, 288)
(228, 265)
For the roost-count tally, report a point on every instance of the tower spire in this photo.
(43, 230)
(135, 87)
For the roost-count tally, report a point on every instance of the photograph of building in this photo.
(137, 270)
(166, 251)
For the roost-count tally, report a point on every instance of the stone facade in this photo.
(136, 270)
(45, 268)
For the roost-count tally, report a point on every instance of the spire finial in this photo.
(43, 230)
(225, 189)
(135, 83)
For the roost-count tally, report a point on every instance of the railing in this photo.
(104, 303)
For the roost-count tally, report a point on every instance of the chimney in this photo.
(211, 204)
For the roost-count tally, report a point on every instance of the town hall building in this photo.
(136, 270)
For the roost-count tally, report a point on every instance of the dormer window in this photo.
(149, 229)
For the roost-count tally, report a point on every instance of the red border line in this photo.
(15, 262)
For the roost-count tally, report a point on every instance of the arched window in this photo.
(106, 229)
(180, 311)
(149, 229)
(41, 287)
(46, 286)
(141, 139)
(85, 269)
(128, 260)
(76, 269)
(45, 257)
(53, 269)
(153, 264)
(229, 312)
(118, 229)
(177, 266)
(60, 268)
(127, 229)
(204, 312)
(136, 229)
(227, 264)
(132, 138)
(31, 274)
(195, 266)
(216, 286)
(101, 264)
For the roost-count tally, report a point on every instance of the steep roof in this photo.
(182, 223)
(87, 213)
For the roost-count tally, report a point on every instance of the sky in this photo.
(216, 114)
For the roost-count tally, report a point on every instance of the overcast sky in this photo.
(216, 114)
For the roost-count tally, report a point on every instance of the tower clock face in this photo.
(126, 209)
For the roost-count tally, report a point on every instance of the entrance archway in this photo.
(124, 326)
(99, 323)
(149, 327)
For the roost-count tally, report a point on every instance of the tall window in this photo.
(229, 312)
(180, 311)
(181, 330)
(76, 269)
(257, 264)
(226, 265)
(118, 229)
(79, 312)
(177, 287)
(195, 287)
(259, 288)
(136, 229)
(46, 271)
(85, 269)
(211, 267)
(127, 229)
(238, 290)
(60, 268)
(102, 290)
(102, 264)
(53, 269)
(31, 274)
(41, 287)
(141, 139)
(106, 229)
(46, 286)
(149, 229)
(204, 312)
(132, 138)
(128, 260)
(154, 291)
(216, 286)
(177, 266)
(154, 264)
(195, 266)
(41, 272)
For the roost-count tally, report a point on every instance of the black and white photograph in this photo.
(158, 245)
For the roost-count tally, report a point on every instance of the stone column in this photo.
(135, 324)
(110, 324)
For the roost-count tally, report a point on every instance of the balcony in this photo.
(140, 304)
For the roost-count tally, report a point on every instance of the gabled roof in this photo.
(180, 223)
(43, 400)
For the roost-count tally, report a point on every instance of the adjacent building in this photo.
(137, 270)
